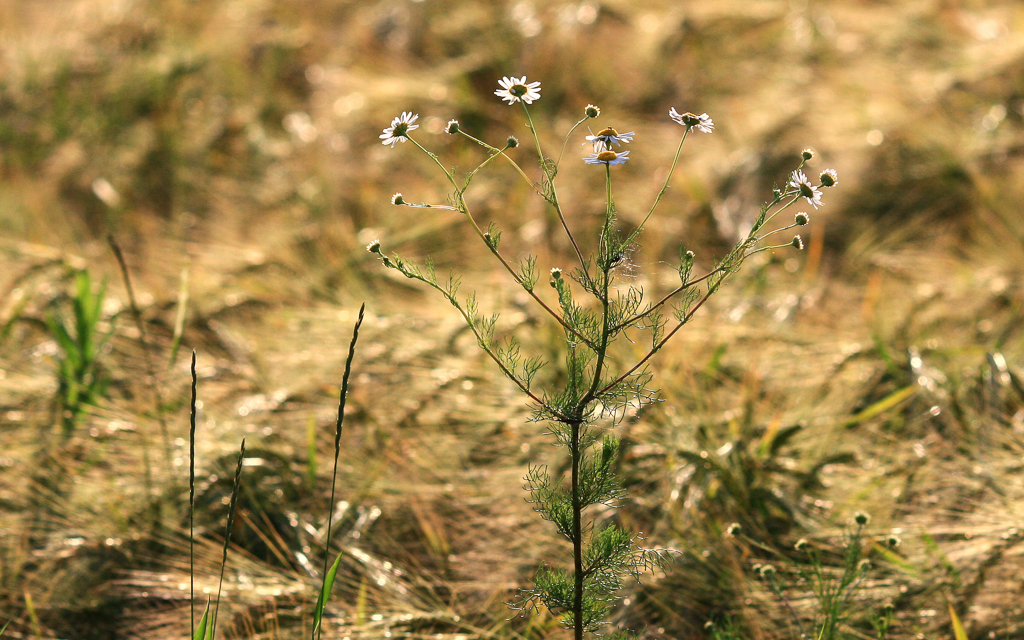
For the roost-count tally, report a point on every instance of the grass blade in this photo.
(325, 593)
(324, 589)
(192, 500)
(881, 406)
(33, 618)
(235, 488)
(958, 627)
(199, 633)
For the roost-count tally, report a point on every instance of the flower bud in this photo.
(767, 571)
(452, 128)
(807, 154)
(861, 518)
(512, 142)
(798, 243)
(556, 273)
(733, 529)
(777, 194)
(829, 177)
(802, 218)
(397, 199)
(893, 541)
(864, 565)
(592, 111)
(801, 544)
(373, 247)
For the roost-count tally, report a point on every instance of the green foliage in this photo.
(81, 380)
(748, 479)
(833, 587)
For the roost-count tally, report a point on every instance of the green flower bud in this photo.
(512, 142)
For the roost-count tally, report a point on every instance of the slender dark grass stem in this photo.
(147, 359)
(337, 451)
(235, 488)
(192, 500)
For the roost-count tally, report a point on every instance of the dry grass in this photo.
(236, 143)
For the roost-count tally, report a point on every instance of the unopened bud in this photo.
(861, 518)
(512, 142)
(802, 218)
(829, 177)
(592, 111)
(893, 541)
(801, 544)
(807, 154)
(397, 199)
(797, 243)
(373, 247)
(452, 128)
(733, 529)
(556, 273)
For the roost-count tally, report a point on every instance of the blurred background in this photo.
(230, 149)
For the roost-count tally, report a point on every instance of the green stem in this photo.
(664, 188)
(554, 195)
(577, 534)
(464, 209)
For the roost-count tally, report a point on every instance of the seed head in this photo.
(452, 128)
(807, 154)
(802, 218)
(592, 111)
(798, 243)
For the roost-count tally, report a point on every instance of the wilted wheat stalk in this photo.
(602, 555)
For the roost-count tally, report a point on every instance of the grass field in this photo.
(231, 152)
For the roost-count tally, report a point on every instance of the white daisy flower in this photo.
(605, 138)
(397, 199)
(607, 157)
(829, 177)
(808, 191)
(399, 129)
(702, 123)
(515, 89)
(592, 111)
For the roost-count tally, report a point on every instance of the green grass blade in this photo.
(4, 628)
(882, 405)
(200, 631)
(325, 593)
(958, 627)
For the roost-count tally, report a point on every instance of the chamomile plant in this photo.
(594, 310)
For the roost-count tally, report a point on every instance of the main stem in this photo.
(577, 533)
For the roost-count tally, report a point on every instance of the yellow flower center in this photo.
(607, 156)
(607, 132)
